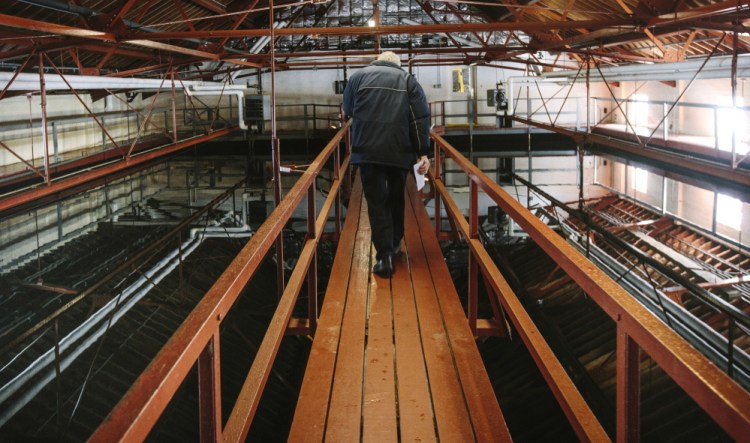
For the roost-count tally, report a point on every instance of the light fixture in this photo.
(371, 23)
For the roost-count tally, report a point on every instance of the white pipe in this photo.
(125, 300)
(238, 91)
(30, 82)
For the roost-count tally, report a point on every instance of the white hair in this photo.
(389, 56)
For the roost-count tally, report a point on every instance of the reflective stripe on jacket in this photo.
(390, 116)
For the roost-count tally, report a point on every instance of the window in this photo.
(639, 114)
(729, 211)
(731, 120)
(641, 180)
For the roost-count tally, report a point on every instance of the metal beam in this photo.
(720, 396)
(397, 29)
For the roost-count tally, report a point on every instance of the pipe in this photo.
(125, 301)
(30, 82)
(203, 89)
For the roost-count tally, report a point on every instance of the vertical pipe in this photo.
(376, 19)
(628, 388)
(55, 145)
(713, 217)
(734, 99)
(580, 177)
(104, 136)
(665, 122)
(588, 94)
(43, 95)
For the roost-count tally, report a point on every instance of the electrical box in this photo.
(497, 98)
(254, 113)
(339, 86)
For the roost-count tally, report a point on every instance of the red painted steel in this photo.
(628, 388)
(75, 93)
(720, 396)
(381, 30)
(138, 411)
(579, 414)
(209, 391)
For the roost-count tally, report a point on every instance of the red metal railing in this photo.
(197, 339)
(637, 328)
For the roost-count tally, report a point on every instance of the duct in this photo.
(239, 92)
(30, 82)
(125, 300)
(259, 44)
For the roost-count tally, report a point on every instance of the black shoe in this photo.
(383, 267)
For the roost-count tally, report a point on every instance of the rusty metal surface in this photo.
(578, 412)
(137, 412)
(722, 398)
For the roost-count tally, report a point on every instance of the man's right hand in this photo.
(425, 166)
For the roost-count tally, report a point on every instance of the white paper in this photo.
(419, 177)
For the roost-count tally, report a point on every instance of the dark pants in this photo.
(384, 191)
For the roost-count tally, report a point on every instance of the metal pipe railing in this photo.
(197, 339)
(637, 328)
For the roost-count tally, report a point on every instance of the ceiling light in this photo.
(371, 23)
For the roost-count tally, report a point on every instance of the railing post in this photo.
(438, 172)
(628, 388)
(209, 390)
(312, 271)
(473, 266)
(337, 177)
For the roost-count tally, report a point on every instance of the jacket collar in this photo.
(385, 63)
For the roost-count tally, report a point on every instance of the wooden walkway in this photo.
(394, 359)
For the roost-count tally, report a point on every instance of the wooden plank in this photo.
(312, 407)
(345, 408)
(452, 416)
(379, 416)
(416, 417)
(487, 418)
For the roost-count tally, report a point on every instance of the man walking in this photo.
(390, 131)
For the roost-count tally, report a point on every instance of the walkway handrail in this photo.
(637, 328)
(197, 339)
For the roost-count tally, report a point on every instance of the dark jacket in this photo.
(391, 119)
